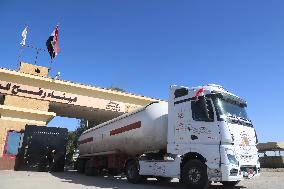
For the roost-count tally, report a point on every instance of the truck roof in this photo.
(210, 89)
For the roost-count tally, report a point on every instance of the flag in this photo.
(52, 43)
(199, 93)
(24, 36)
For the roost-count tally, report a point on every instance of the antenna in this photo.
(38, 50)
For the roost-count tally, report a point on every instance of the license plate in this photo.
(250, 173)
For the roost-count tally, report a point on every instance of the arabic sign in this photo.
(113, 106)
(9, 88)
(21, 90)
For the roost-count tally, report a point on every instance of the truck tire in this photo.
(80, 166)
(132, 173)
(75, 165)
(113, 171)
(89, 170)
(194, 175)
(230, 183)
(164, 179)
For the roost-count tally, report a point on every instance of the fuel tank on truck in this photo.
(137, 132)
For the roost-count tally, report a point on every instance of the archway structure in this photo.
(31, 96)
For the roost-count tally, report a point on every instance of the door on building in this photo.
(13, 143)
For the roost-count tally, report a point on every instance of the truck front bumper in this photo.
(234, 172)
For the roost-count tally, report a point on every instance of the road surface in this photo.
(72, 180)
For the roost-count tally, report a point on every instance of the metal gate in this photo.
(43, 149)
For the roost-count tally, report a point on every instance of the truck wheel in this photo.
(88, 170)
(230, 183)
(163, 179)
(75, 165)
(80, 166)
(113, 171)
(194, 174)
(132, 173)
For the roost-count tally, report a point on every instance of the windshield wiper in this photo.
(237, 117)
(239, 120)
(244, 119)
(232, 116)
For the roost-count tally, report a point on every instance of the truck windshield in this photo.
(231, 109)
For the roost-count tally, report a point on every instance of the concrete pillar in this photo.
(17, 111)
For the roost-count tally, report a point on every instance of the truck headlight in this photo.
(232, 159)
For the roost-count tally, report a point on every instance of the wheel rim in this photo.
(194, 175)
(131, 171)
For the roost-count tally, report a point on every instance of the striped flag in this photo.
(52, 43)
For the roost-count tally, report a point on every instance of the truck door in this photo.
(191, 129)
(195, 123)
(204, 129)
(203, 125)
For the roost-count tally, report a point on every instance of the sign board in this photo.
(9, 88)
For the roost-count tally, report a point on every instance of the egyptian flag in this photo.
(52, 43)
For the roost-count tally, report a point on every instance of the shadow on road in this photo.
(226, 187)
(120, 182)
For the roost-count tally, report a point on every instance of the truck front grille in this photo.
(234, 172)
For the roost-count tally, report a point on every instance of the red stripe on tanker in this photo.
(126, 128)
(86, 140)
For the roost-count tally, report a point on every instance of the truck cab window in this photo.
(202, 113)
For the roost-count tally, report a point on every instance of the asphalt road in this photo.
(72, 180)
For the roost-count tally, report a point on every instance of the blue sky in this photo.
(145, 46)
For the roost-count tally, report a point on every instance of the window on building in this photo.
(2, 99)
(13, 143)
(199, 111)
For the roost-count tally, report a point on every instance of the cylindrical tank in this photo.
(133, 133)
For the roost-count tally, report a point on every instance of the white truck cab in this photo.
(210, 138)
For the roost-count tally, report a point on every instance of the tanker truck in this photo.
(201, 135)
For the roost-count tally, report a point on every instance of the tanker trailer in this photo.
(201, 135)
(131, 134)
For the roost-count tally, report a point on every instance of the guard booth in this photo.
(42, 149)
(271, 154)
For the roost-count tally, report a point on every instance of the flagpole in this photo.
(20, 56)
(50, 67)
(37, 52)
(23, 45)
(52, 45)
